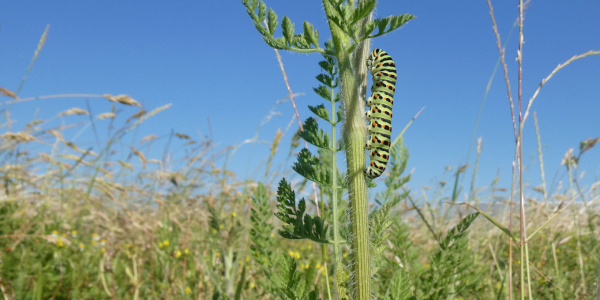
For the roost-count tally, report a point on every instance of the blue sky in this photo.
(208, 60)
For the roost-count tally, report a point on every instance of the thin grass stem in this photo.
(541, 159)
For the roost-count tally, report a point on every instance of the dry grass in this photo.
(79, 223)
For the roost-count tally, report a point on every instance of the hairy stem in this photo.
(354, 138)
(337, 253)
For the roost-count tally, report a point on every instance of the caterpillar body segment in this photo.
(379, 115)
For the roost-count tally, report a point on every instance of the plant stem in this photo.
(522, 220)
(556, 268)
(539, 141)
(354, 139)
(337, 253)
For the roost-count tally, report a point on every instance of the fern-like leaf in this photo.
(313, 135)
(298, 225)
(449, 264)
(309, 167)
(381, 24)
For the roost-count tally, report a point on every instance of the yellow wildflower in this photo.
(177, 253)
(233, 214)
(103, 242)
(54, 233)
(166, 243)
(103, 250)
(294, 254)
(221, 226)
(74, 233)
(186, 251)
(188, 290)
(81, 246)
(59, 242)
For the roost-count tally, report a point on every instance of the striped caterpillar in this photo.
(383, 70)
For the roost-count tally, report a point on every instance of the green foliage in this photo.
(380, 217)
(395, 181)
(315, 136)
(347, 16)
(381, 24)
(308, 41)
(320, 109)
(449, 272)
(380, 222)
(220, 244)
(297, 224)
(260, 233)
(309, 167)
(403, 254)
(387, 227)
(293, 285)
(400, 288)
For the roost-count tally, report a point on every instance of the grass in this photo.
(76, 224)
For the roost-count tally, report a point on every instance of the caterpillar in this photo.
(383, 70)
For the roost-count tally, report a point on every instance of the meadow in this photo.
(83, 224)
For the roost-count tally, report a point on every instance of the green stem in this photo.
(527, 269)
(354, 139)
(337, 253)
(327, 282)
(556, 269)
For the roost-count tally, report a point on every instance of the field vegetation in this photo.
(116, 223)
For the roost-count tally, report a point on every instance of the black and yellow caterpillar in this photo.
(383, 70)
